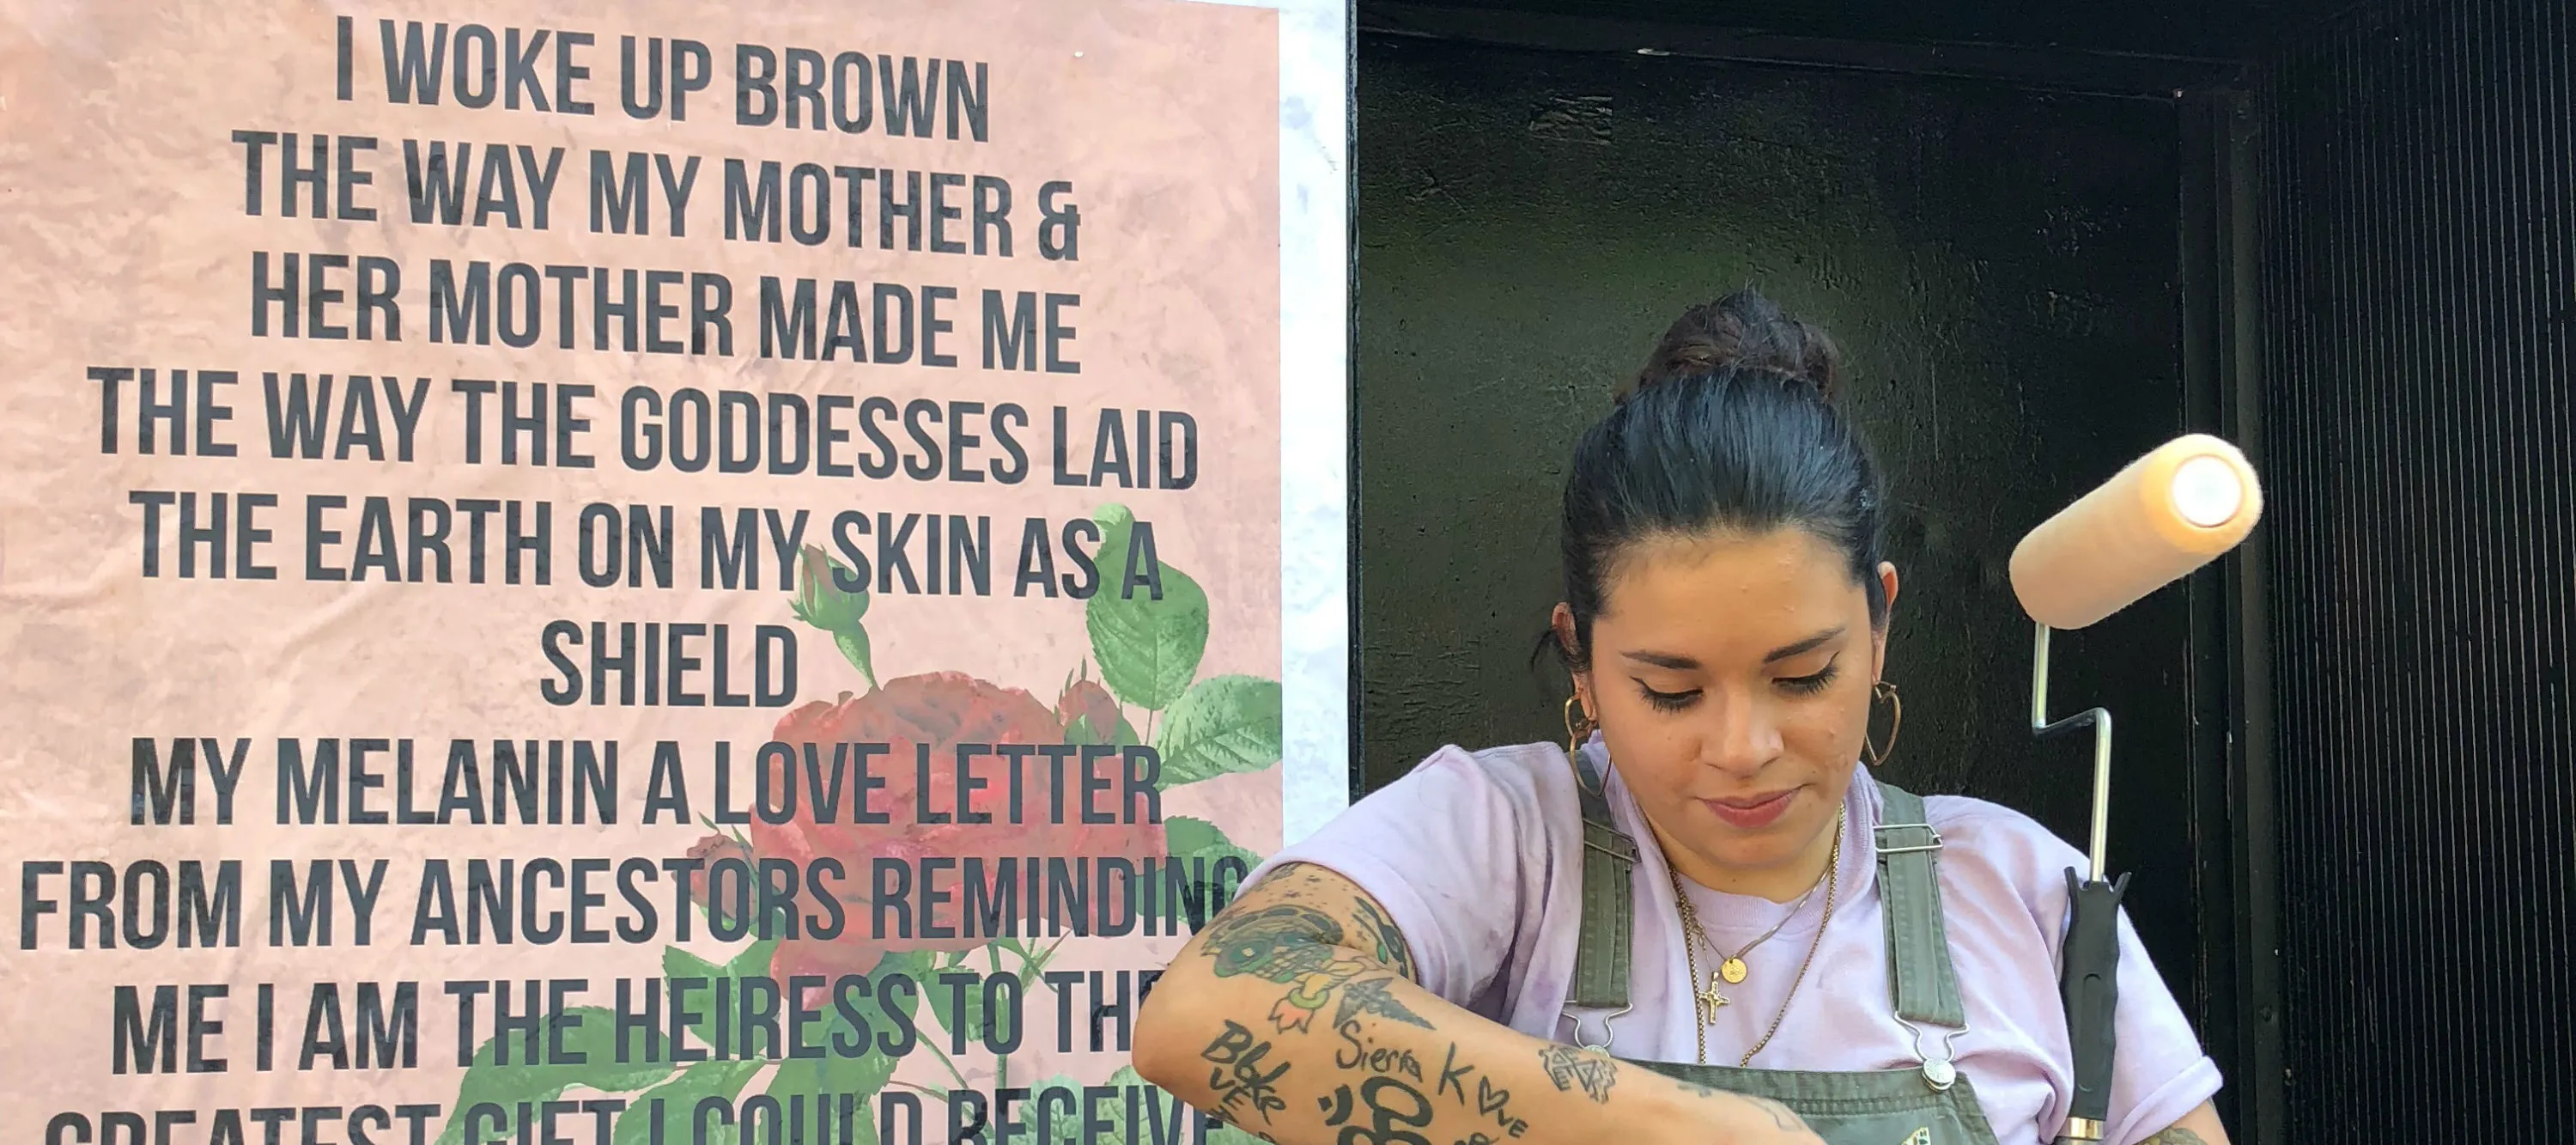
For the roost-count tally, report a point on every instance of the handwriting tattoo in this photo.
(1299, 948)
(1358, 1053)
(1395, 1111)
(1490, 1100)
(1573, 1069)
(1239, 1077)
(2176, 1136)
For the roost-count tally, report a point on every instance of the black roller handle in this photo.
(2089, 984)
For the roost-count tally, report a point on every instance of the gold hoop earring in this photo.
(1574, 735)
(1896, 722)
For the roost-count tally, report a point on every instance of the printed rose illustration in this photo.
(942, 710)
(708, 852)
(1148, 628)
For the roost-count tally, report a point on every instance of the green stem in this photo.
(1002, 1063)
(932, 1090)
(942, 1055)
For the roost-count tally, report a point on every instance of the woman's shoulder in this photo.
(1456, 800)
(1531, 784)
(1466, 852)
(1993, 847)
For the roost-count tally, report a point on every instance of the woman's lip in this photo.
(1750, 813)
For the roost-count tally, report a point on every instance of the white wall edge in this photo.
(1314, 409)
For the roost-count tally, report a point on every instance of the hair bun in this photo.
(1742, 331)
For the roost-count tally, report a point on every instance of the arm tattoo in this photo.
(1239, 1078)
(1299, 948)
(1389, 942)
(2176, 1136)
(1570, 1068)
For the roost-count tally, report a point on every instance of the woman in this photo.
(1702, 919)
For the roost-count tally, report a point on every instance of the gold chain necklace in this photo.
(1709, 999)
(1731, 966)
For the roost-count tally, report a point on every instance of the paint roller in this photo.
(2158, 520)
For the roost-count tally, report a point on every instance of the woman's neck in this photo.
(1780, 883)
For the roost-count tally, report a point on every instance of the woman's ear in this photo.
(1562, 623)
(1887, 583)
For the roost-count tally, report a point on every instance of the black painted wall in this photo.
(2174, 28)
(2419, 425)
(2002, 267)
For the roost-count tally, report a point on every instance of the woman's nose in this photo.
(1747, 735)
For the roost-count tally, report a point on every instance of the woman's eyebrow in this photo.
(1678, 663)
(1805, 646)
(1663, 660)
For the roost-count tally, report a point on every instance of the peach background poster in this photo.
(650, 573)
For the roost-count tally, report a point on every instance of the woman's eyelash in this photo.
(1796, 685)
(1810, 685)
(1667, 701)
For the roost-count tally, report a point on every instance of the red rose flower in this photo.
(940, 710)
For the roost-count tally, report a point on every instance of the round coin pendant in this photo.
(1732, 970)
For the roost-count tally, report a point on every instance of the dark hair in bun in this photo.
(1742, 331)
(1729, 427)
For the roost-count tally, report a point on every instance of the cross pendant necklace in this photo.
(1709, 997)
(1709, 1000)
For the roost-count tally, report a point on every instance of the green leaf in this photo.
(1200, 840)
(854, 648)
(822, 1081)
(917, 966)
(1221, 726)
(506, 1084)
(1060, 1112)
(820, 599)
(832, 1075)
(1120, 1131)
(680, 1097)
(1148, 649)
(753, 962)
(1079, 732)
(971, 1018)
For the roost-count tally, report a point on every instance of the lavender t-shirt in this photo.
(1477, 857)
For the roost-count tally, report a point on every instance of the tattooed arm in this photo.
(2199, 1127)
(1295, 1015)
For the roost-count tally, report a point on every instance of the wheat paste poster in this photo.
(651, 573)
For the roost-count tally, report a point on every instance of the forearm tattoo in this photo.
(1573, 1069)
(1389, 943)
(2176, 1136)
(1301, 948)
(1242, 1076)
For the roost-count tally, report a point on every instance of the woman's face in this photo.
(1731, 679)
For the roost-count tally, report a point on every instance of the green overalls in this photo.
(1929, 1105)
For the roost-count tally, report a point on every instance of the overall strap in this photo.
(1601, 948)
(1918, 945)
